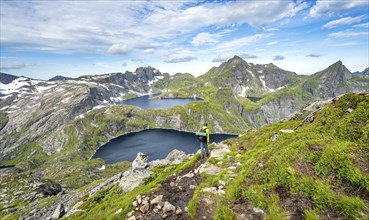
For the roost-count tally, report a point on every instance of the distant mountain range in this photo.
(237, 96)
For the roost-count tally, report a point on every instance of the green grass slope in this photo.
(322, 165)
(318, 171)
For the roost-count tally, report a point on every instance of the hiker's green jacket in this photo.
(207, 133)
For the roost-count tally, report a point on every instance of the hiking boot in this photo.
(207, 155)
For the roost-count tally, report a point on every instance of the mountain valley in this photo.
(50, 129)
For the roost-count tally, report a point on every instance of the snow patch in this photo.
(260, 71)
(66, 100)
(80, 116)
(102, 167)
(3, 108)
(263, 82)
(117, 99)
(244, 90)
(44, 88)
(152, 81)
(269, 89)
(14, 86)
(35, 82)
(250, 73)
(97, 107)
(273, 90)
(33, 106)
(4, 97)
(117, 85)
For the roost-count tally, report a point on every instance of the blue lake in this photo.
(149, 102)
(156, 143)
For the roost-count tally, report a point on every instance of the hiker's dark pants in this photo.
(202, 146)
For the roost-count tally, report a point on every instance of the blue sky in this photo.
(41, 39)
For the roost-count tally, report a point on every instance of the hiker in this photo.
(204, 138)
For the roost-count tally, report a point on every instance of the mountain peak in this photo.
(7, 78)
(59, 77)
(337, 67)
(236, 59)
(338, 63)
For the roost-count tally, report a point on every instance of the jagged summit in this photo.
(247, 79)
(331, 82)
(236, 59)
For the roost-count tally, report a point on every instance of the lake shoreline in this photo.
(185, 137)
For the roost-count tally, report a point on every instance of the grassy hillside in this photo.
(318, 171)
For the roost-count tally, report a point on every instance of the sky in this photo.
(41, 39)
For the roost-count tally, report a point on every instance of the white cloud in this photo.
(347, 33)
(237, 43)
(247, 56)
(223, 57)
(228, 55)
(180, 59)
(149, 51)
(205, 38)
(119, 49)
(324, 7)
(272, 43)
(76, 26)
(346, 44)
(9, 66)
(364, 25)
(343, 21)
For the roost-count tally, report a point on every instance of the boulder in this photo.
(129, 214)
(145, 208)
(274, 137)
(179, 211)
(209, 169)
(49, 188)
(168, 207)
(132, 218)
(212, 190)
(140, 162)
(176, 156)
(59, 212)
(132, 179)
(157, 200)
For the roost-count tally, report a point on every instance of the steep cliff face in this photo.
(331, 82)
(34, 109)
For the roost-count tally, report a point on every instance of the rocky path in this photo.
(171, 199)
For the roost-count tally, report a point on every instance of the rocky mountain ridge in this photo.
(42, 106)
(36, 108)
(247, 79)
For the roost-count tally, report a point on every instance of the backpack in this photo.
(201, 135)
